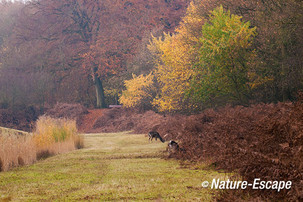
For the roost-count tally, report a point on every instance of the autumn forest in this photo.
(220, 80)
(165, 55)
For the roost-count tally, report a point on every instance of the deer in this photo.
(173, 146)
(156, 135)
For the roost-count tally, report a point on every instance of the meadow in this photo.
(112, 166)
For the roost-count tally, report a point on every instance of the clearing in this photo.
(112, 166)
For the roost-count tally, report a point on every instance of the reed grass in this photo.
(16, 150)
(52, 136)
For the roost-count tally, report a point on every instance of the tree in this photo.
(139, 92)
(278, 43)
(16, 81)
(81, 26)
(172, 71)
(98, 35)
(206, 60)
(224, 69)
(175, 56)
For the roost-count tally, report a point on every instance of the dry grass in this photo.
(52, 136)
(16, 148)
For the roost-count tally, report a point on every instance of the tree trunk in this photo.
(284, 73)
(99, 91)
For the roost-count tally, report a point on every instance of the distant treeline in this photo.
(164, 55)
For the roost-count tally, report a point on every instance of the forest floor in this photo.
(112, 166)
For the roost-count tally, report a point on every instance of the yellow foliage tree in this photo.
(138, 91)
(176, 53)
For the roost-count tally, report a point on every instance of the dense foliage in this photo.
(72, 50)
(217, 65)
(221, 51)
(224, 67)
(139, 91)
(217, 56)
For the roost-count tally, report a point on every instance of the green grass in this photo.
(118, 166)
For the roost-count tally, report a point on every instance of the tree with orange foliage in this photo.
(85, 28)
(99, 35)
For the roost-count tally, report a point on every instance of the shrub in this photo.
(67, 111)
(53, 136)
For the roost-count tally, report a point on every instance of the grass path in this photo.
(116, 166)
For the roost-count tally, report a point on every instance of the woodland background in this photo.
(166, 55)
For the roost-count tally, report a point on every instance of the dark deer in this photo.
(156, 135)
(173, 146)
